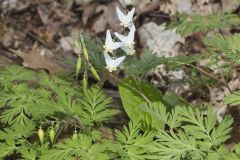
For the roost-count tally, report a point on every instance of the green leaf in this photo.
(156, 115)
(7, 148)
(136, 93)
(14, 73)
(21, 100)
(187, 25)
(95, 51)
(15, 132)
(177, 146)
(27, 154)
(141, 66)
(76, 148)
(222, 133)
(95, 106)
(232, 99)
(133, 143)
(133, 94)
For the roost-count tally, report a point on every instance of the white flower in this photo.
(112, 64)
(125, 20)
(128, 40)
(110, 45)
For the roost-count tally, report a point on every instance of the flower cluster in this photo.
(126, 42)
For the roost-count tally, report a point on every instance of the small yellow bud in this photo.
(75, 135)
(52, 135)
(41, 135)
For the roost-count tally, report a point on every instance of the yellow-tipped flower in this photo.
(41, 135)
(94, 73)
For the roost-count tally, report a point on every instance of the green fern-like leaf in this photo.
(95, 106)
(149, 61)
(95, 51)
(76, 148)
(200, 126)
(177, 146)
(222, 133)
(20, 101)
(228, 46)
(16, 132)
(186, 25)
(14, 73)
(133, 143)
(196, 137)
(27, 153)
(141, 66)
(7, 148)
(156, 115)
(56, 84)
(233, 99)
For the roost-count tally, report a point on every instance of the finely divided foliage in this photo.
(49, 117)
(188, 133)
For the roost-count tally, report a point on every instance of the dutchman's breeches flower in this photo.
(128, 40)
(110, 45)
(126, 44)
(112, 64)
(125, 20)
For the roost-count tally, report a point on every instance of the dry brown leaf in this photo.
(43, 14)
(147, 6)
(88, 12)
(4, 61)
(107, 18)
(68, 44)
(107, 133)
(159, 40)
(229, 5)
(143, 6)
(35, 60)
(14, 5)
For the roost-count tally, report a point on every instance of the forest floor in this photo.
(40, 35)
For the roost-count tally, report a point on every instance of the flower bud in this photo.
(78, 67)
(41, 135)
(75, 135)
(84, 49)
(52, 135)
(95, 74)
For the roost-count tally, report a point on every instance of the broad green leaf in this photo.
(133, 94)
